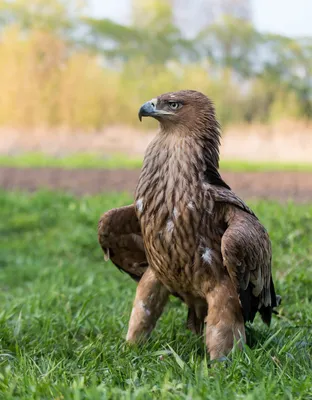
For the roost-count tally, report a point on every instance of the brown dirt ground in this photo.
(282, 186)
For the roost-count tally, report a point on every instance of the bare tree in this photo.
(191, 16)
(236, 8)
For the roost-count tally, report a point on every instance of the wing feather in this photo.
(247, 255)
(121, 240)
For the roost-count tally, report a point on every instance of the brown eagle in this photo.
(188, 234)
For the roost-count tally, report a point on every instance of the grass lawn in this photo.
(64, 314)
(84, 160)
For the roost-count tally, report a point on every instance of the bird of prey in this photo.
(188, 234)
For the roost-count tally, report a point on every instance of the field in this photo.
(64, 313)
(118, 161)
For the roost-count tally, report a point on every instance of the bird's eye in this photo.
(174, 105)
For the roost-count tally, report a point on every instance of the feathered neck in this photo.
(177, 164)
(201, 141)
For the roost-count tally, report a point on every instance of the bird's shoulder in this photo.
(226, 197)
(220, 191)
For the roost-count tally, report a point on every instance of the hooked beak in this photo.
(148, 109)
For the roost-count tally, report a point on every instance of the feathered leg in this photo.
(150, 300)
(225, 322)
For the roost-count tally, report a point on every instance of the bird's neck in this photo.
(177, 161)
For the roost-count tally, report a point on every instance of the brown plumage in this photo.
(121, 239)
(189, 234)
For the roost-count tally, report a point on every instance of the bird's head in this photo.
(187, 110)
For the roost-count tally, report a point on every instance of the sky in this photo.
(285, 17)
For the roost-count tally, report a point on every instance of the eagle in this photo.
(188, 234)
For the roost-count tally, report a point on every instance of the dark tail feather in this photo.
(194, 323)
(266, 312)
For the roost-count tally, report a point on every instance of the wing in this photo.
(224, 196)
(121, 240)
(247, 255)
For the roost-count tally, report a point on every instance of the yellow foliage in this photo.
(87, 93)
(285, 105)
(152, 14)
(44, 83)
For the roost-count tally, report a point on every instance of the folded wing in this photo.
(247, 255)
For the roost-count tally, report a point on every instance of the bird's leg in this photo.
(225, 322)
(150, 300)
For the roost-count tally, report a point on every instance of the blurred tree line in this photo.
(60, 68)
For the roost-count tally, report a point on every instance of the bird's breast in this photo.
(179, 235)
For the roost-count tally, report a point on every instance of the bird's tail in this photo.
(266, 312)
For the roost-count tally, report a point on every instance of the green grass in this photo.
(84, 160)
(81, 160)
(64, 314)
(251, 166)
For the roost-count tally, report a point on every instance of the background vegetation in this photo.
(119, 161)
(60, 68)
